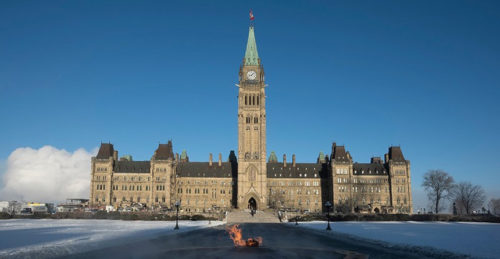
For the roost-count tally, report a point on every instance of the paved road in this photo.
(279, 241)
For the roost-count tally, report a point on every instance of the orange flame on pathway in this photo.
(235, 234)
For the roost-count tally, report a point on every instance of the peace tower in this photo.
(251, 128)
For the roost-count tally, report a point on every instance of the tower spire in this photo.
(251, 54)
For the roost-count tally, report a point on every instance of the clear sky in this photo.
(366, 74)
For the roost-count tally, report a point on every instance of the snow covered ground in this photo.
(475, 239)
(49, 237)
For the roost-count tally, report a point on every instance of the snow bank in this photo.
(475, 239)
(51, 237)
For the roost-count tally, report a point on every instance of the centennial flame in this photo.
(235, 234)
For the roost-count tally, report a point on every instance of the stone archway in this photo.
(252, 204)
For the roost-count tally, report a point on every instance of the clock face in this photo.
(251, 75)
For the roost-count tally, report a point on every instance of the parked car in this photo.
(26, 211)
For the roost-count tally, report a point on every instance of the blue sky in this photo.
(366, 74)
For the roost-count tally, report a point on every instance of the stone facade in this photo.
(248, 180)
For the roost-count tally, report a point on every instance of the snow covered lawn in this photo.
(51, 237)
(471, 238)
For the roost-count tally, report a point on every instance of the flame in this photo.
(235, 234)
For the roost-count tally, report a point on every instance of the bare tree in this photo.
(468, 196)
(13, 207)
(494, 206)
(438, 185)
(276, 198)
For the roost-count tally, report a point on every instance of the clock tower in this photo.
(252, 177)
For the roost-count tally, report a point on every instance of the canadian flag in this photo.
(251, 16)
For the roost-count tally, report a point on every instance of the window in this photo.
(255, 120)
(248, 120)
(258, 100)
(246, 100)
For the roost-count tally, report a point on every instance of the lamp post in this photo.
(209, 216)
(328, 205)
(177, 204)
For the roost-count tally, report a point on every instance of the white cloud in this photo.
(46, 174)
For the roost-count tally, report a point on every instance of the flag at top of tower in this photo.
(251, 16)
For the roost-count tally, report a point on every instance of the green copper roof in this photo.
(251, 54)
(321, 156)
(273, 157)
(183, 154)
(127, 157)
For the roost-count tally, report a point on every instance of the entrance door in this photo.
(252, 204)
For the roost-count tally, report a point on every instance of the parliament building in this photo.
(249, 178)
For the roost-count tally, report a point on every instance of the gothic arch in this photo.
(255, 197)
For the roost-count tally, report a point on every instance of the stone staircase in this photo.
(244, 216)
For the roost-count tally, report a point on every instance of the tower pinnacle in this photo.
(251, 54)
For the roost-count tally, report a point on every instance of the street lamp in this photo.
(177, 204)
(328, 205)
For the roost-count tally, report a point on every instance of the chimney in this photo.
(284, 160)
(386, 158)
(376, 160)
(210, 159)
(293, 160)
(115, 155)
(220, 159)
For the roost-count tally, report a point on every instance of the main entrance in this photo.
(252, 204)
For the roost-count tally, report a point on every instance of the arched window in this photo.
(246, 100)
(253, 99)
(248, 119)
(258, 100)
(255, 120)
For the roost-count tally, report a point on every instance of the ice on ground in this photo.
(470, 238)
(58, 237)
